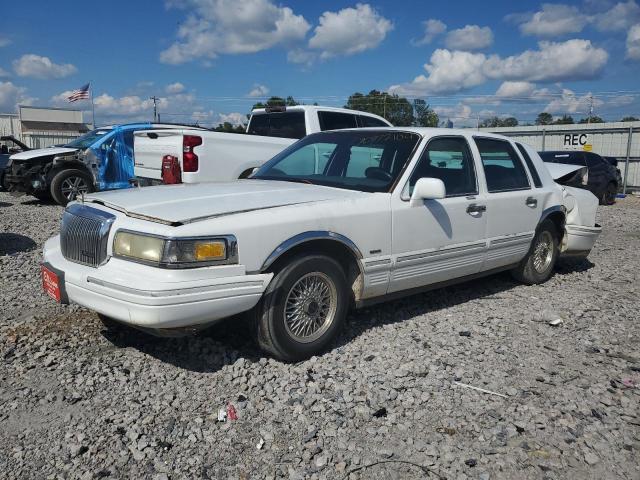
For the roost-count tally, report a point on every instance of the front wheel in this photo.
(68, 184)
(303, 309)
(537, 266)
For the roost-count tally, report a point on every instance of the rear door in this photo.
(512, 204)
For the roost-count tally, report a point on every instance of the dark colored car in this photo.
(603, 179)
(8, 146)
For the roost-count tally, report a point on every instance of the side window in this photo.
(336, 120)
(502, 167)
(309, 160)
(450, 160)
(530, 165)
(368, 122)
(362, 158)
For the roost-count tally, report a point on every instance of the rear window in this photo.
(367, 122)
(278, 124)
(530, 165)
(336, 121)
(561, 157)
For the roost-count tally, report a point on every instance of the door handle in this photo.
(531, 202)
(474, 208)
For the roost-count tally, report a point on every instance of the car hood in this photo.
(42, 152)
(187, 203)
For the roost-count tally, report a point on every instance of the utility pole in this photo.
(155, 107)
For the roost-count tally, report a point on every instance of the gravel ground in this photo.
(77, 401)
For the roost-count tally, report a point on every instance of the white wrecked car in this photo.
(338, 219)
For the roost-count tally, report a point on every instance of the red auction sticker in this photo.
(51, 283)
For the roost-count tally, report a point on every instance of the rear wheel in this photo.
(609, 195)
(537, 266)
(66, 185)
(303, 309)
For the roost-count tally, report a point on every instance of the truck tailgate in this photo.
(149, 148)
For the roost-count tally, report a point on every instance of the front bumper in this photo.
(156, 298)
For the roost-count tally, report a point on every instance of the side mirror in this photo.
(427, 189)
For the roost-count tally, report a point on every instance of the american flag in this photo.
(80, 94)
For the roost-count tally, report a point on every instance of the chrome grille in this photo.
(84, 234)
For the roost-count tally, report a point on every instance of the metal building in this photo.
(40, 127)
(616, 139)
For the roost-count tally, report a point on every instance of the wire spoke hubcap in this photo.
(543, 252)
(73, 186)
(310, 307)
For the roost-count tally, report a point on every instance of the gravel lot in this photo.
(80, 402)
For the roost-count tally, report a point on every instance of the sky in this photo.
(209, 61)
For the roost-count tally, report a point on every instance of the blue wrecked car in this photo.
(99, 160)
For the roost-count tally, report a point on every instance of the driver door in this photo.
(439, 239)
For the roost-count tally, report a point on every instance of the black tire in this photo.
(283, 336)
(609, 195)
(62, 189)
(537, 266)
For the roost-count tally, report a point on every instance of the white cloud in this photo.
(4, 41)
(349, 31)
(515, 89)
(633, 42)
(432, 28)
(453, 71)
(618, 18)
(230, 27)
(258, 91)
(553, 62)
(234, 118)
(35, 66)
(11, 96)
(301, 56)
(448, 72)
(569, 102)
(554, 20)
(174, 88)
(471, 37)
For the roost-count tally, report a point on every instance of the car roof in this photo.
(311, 108)
(431, 132)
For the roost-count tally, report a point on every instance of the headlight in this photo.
(175, 252)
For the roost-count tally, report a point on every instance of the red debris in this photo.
(232, 414)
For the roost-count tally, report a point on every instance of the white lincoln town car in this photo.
(339, 219)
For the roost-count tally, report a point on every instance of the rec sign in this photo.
(575, 141)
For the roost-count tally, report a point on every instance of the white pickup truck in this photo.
(207, 156)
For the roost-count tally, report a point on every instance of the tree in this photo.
(630, 119)
(424, 114)
(591, 119)
(277, 102)
(230, 128)
(398, 110)
(494, 122)
(544, 118)
(564, 120)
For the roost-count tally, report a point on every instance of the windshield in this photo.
(368, 161)
(88, 139)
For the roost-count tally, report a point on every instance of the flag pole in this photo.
(93, 108)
